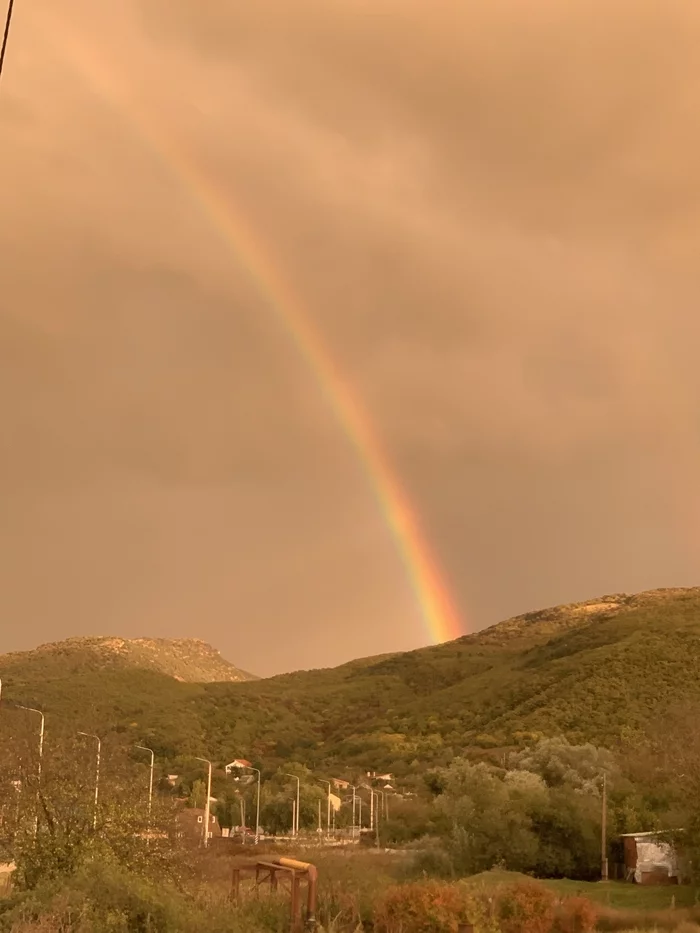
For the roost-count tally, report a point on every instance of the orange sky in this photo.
(491, 212)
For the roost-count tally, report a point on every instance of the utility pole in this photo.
(30, 709)
(320, 826)
(604, 832)
(296, 809)
(150, 789)
(89, 735)
(207, 804)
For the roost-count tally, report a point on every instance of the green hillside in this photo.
(591, 671)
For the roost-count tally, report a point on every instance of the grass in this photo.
(351, 886)
(618, 895)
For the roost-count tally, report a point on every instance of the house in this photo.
(385, 778)
(173, 779)
(191, 824)
(236, 764)
(651, 858)
(340, 784)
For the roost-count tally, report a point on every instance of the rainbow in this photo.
(438, 611)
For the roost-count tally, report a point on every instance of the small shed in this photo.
(651, 858)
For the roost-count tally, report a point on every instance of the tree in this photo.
(198, 795)
(55, 826)
(490, 824)
(559, 763)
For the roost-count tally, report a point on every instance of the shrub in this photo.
(577, 915)
(109, 899)
(526, 907)
(422, 907)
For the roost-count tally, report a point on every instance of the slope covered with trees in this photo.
(594, 671)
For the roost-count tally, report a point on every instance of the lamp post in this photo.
(257, 802)
(30, 709)
(150, 788)
(206, 806)
(328, 818)
(376, 817)
(90, 735)
(296, 811)
(604, 831)
(385, 802)
(257, 806)
(354, 802)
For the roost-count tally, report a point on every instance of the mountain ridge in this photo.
(597, 670)
(188, 660)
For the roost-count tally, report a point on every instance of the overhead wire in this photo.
(6, 34)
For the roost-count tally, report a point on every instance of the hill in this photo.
(185, 659)
(592, 671)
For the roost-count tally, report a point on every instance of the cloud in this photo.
(489, 212)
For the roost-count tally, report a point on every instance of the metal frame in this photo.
(287, 870)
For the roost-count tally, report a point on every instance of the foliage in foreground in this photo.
(101, 899)
(357, 893)
(523, 907)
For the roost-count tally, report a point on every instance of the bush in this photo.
(576, 915)
(422, 907)
(109, 899)
(434, 862)
(526, 907)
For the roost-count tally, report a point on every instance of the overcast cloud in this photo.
(490, 211)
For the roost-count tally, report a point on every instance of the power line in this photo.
(6, 34)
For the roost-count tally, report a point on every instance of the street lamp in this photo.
(354, 799)
(30, 709)
(296, 818)
(90, 735)
(257, 806)
(375, 818)
(328, 820)
(206, 806)
(150, 787)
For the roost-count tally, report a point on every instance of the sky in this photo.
(489, 212)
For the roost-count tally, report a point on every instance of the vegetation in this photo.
(596, 671)
(498, 742)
